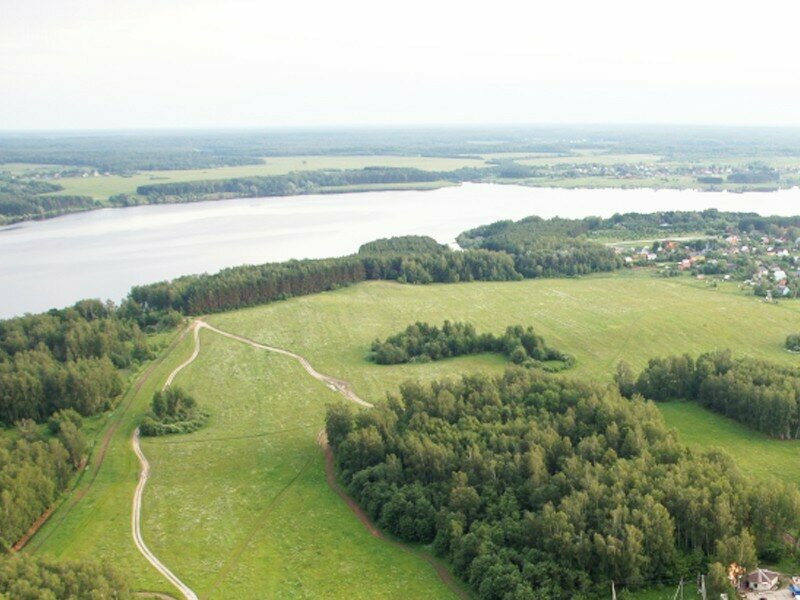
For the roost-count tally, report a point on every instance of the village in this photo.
(767, 265)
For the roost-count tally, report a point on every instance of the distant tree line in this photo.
(26, 199)
(422, 342)
(66, 358)
(34, 470)
(517, 237)
(760, 394)
(173, 410)
(25, 577)
(535, 487)
(298, 182)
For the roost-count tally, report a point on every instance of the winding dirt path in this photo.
(144, 474)
(333, 383)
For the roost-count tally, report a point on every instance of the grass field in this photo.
(103, 186)
(239, 517)
(756, 454)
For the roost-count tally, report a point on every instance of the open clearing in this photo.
(241, 508)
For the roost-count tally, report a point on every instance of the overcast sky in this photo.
(98, 64)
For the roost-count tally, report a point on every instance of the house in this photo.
(779, 274)
(762, 580)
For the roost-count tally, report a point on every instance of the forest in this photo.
(68, 358)
(34, 469)
(760, 394)
(24, 577)
(535, 487)
(422, 342)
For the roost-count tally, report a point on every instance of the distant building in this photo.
(762, 580)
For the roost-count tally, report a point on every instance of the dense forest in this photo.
(173, 410)
(67, 358)
(34, 470)
(535, 487)
(422, 342)
(762, 395)
(24, 577)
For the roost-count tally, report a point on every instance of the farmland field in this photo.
(232, 514)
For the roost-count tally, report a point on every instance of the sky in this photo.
(124, 64)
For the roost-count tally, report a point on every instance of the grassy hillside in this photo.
(237, 516)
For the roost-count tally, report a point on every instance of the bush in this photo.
(173, 411)
(793, 342)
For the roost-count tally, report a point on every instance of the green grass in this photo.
(247, 517)
(254, 517)
(104, 186)
(756, 454)
(600, 320)
(99, 525)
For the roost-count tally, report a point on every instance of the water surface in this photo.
(101, 254)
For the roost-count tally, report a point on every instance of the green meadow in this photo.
(241, 508)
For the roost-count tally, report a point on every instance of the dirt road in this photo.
(335, 384)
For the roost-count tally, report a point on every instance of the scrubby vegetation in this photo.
(762, 395)
(536, 487)
(422, 342)
(793, 342)
(23, 577)
(173, 410)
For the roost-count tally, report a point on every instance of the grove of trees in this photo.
(422, 342)
(34, 470)
(24, 577)
(173, 410)
(66, 358)
(760, 394)
(535, 487)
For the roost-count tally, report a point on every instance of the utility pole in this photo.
(703, 593)
(613, 592)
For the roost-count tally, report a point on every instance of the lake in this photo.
(101, 254)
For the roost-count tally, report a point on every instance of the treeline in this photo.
(24, 577)
(422, 342)
(762, 395)
(173, 410)
(298, 182)
(25, 199)
(34, 471)
(527, 234)
(251, 285)
(534, 487)
(67, 358)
